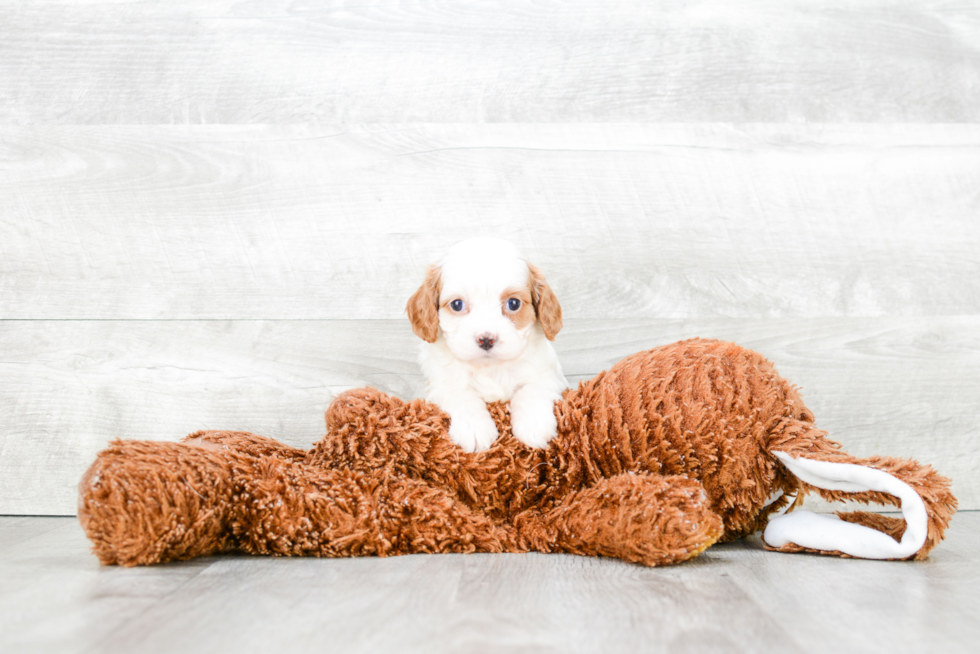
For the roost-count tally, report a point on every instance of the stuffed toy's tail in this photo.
(924, 497)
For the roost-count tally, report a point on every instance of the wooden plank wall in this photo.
(212, 213)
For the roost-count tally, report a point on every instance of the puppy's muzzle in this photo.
(486, 341)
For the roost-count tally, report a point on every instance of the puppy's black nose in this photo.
(486, 341)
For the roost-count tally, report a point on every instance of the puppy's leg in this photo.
(470, 426)
(532, 415)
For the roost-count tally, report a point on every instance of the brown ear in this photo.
(423, 307)
(545, 304)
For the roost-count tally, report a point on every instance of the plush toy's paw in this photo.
(144, 502)
(472, 430)
(645, 519)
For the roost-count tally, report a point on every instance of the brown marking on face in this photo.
(545, 303)
(525, 315)
(423, 306)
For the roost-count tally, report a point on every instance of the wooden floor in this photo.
(54, 597)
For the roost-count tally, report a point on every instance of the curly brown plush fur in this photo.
(657, 458)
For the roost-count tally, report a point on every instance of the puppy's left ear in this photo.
(545, 304)
(423, 307)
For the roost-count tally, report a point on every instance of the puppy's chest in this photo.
(494, 384)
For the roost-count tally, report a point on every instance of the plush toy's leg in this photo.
(145, 502)
(646, 519)
(292, 509)
(924, 497)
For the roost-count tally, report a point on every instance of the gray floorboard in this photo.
(55, 597)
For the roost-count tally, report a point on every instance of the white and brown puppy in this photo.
(486, 316)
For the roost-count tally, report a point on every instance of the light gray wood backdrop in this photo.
(212, 213)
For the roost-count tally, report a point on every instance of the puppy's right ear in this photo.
(545, 304)
(423, 307)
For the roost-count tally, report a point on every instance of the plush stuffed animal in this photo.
(667, 452)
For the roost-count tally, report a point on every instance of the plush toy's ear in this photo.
(545, 304)
(923, 496)
(423, 307)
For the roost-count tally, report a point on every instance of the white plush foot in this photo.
(472, 430)
(827, 532)
(532, 418)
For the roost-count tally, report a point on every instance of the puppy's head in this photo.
(485, 299)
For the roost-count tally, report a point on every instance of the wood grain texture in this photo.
(55, 597)
(627, 221)
(846, 608)
(734, 598)
(286, 62)
(460, 604)
(896, 386)
(17, 529)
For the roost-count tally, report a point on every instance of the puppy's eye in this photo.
(513, 304)
(456, 305)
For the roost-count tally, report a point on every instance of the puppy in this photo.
(486, 316)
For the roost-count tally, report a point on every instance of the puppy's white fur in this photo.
(482, 346)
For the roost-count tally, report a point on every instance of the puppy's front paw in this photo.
(474, 431)
(533, 420)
